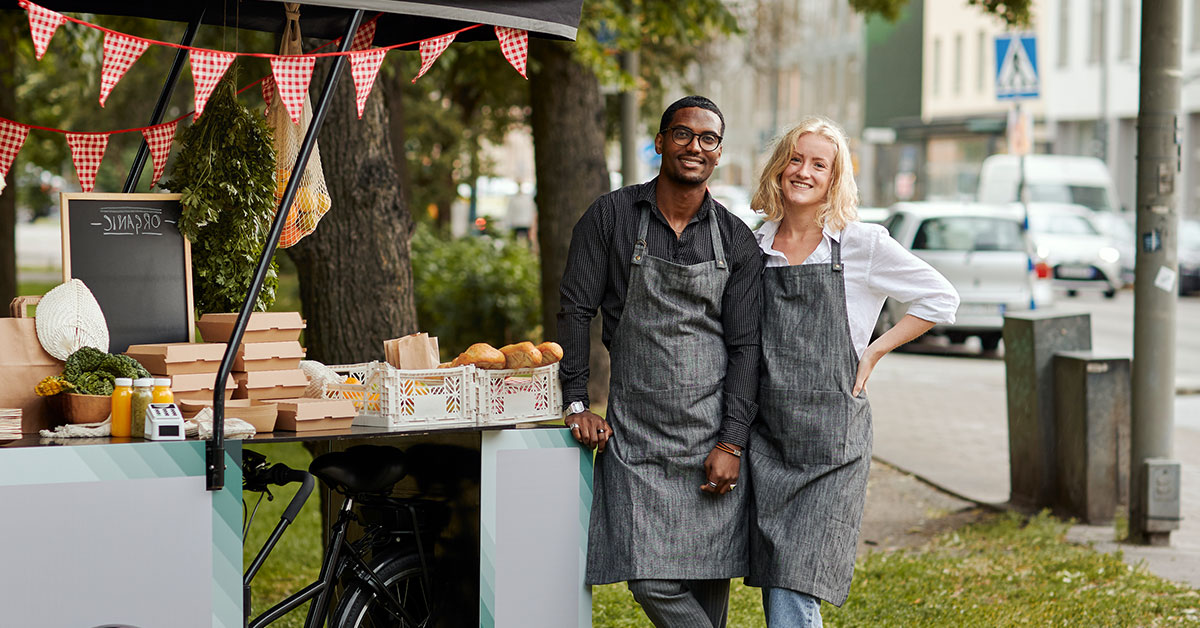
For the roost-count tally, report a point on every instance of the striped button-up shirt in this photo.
(597, 277)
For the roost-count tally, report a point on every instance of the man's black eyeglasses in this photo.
(682, 136)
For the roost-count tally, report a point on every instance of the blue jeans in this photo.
(786, 608)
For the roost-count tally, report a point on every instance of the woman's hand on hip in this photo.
(589, 429)
(722, 469)
(909, 328)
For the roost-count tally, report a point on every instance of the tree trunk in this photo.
(356, 285)
(568, 144)
(9, 23)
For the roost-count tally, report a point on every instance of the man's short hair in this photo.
(686, 102)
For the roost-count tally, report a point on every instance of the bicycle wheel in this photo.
(360, 607)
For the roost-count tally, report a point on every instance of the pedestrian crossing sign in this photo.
(1016, 66)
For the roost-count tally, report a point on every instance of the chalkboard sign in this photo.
(128, 250)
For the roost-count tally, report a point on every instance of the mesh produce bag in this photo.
(312, 197)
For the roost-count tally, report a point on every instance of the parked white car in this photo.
(737, 200)
(1080, 256)
(984, 251)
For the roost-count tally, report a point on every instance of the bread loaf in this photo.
(551, 352)
(522, 355)
(482, 355)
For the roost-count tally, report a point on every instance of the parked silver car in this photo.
(984, 251)
(1080, 256)
(1189, 256)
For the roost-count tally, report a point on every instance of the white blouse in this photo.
(875, 267)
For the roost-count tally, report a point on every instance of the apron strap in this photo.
(639, 247)
(718, 250)
(835, 254)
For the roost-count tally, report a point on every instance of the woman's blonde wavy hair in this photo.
(841, 203)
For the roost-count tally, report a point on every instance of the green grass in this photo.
(296, 560)
(1005, 571)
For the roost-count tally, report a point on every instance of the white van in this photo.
(1049, 178)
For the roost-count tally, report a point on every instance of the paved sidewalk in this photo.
(946, 422)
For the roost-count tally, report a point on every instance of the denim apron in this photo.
(810, 448)
(650, 520)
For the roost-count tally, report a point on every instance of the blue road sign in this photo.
(1016, 66)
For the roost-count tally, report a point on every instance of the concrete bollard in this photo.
(1092, 401)
(1030, 341)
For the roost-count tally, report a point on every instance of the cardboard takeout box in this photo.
(269, 356)
(270, 384)
(303, 415)
(179, 358)
(200, 386)
(262, 327)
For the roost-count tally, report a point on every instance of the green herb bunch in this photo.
(225, 173)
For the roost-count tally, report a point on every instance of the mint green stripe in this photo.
(227, 540)
(48, 465)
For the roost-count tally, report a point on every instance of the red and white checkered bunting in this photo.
(42, 24)
(208, 66)
(87, 151)
(364, 67)
(364, 36)
(292, 75)
(120, 52)
(514, 43)
(12, 137)
(268, 93)
(159, 139)
(431, 49)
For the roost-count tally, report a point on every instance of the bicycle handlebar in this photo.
(280, 475)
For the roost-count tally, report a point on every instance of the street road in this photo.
(940, 411)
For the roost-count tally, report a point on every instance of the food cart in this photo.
(111, 531)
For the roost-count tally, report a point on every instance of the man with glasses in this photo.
(676, 277)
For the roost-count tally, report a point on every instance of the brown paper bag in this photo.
(24, 363)
(415, 351)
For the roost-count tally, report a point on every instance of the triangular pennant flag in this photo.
(431, 49)
(208, 66)
(514, 43)
(42, 24)
(120, 51)
(87, 151)
(268, 91)
(159, 139)
(364, 36)
(364, 67)
(292, 75)
(12, 137)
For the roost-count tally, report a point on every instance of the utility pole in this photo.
(1152, 487)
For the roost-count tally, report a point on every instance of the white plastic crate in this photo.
(408, 399)
(518, 395)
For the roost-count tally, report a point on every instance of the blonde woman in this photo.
(825, 280)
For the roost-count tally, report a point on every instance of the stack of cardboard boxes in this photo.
(192, 367)
(266, 368)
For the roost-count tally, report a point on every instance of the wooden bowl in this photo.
(79, 408)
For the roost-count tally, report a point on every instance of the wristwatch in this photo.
(575, 408)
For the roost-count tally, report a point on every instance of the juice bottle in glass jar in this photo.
(122, 391)
(162, 390)
(138, 403)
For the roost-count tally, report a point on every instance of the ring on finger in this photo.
(713, 484)
(574, 426)
(732, 486)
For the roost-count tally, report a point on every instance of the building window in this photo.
(937, 66)
(958, 55)
(981, 63)
(1195, 24)
(1126, 26)
(1096, 43)
(1064, 31)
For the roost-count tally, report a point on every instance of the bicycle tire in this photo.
(360, 607)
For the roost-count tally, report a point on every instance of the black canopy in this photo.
(402, 20)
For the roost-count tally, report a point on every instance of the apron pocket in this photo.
(806, 426)
(666, 423)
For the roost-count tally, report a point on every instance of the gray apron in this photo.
(810, 449)
(650, 520)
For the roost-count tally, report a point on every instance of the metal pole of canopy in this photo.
(216, 446)
(164, 98)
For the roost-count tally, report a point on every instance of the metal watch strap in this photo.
(575, 407)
